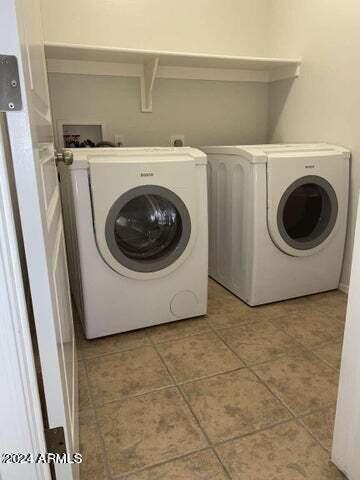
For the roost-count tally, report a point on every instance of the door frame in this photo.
(20, 410)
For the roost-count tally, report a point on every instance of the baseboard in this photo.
(344, 288)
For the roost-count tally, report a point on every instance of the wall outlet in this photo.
(119, 140)
(177, 140)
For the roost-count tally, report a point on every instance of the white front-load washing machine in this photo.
(137, 234)
(277, 219)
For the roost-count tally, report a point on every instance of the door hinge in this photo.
(55, 440)
(10, 93)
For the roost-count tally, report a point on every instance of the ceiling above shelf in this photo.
(148, 65)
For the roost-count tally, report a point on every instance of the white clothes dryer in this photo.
(278, 219)
(138, 234)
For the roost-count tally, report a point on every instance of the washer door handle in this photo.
(64, 156)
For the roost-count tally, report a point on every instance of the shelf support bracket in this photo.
(147, 80)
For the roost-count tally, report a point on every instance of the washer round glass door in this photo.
(148, 228)
(307, 212)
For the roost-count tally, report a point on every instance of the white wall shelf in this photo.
(149, 65)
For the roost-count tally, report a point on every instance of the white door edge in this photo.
(22, 428)
(345, 448)
(34, 164)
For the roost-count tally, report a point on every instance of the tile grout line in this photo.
(294, 417)
(137, 395)
(325, 362)
(260, 380)
(98, 431)
(128, 475)
(210, 444)
(255, 432)
(171, 385)
(305, 427)
(206, 329)
(210, 327)
(311, 350)
(96, 407)
(298, 343)
(288, 311)
(177, 385)
(130, 349)
(300, 420)
(186, 382)
(150, 344)
(212, 375)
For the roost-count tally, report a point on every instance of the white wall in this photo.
(213, 26)
(205, 112)
(324, 103)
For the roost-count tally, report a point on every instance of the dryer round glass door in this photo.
(307, 212)
(148, 228)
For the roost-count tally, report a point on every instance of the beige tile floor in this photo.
(244, 393)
